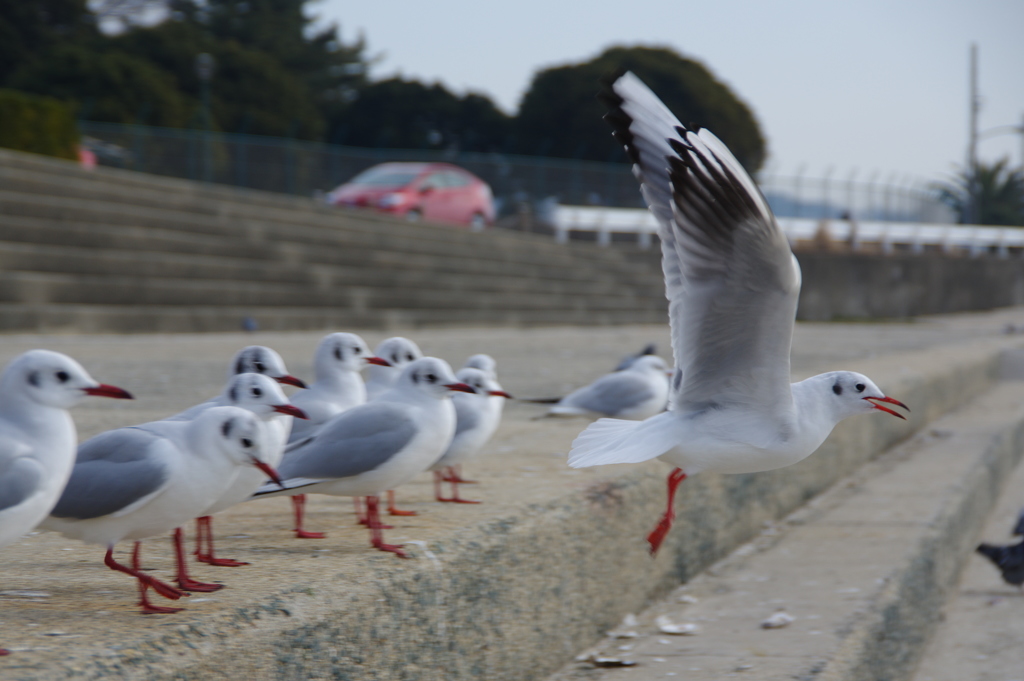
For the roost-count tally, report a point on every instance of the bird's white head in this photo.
(343, 352)
(53, 379)
(234, 433)
(259, 394)
(484, 363)
(398, 351)
(850, 393)
(259, 359)
(481, 382)
(432, 376)
(649, 363)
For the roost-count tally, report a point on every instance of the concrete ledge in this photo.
(553, 560)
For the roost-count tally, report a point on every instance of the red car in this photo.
(438, 192)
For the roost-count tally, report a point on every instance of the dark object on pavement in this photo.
(1009, 560)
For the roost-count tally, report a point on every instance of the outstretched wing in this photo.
(730, 277)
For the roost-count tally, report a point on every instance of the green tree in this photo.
(998, 194)
(30, 29)
(407, 114)
(560, 115)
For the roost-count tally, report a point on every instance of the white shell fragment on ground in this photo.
(778, 620)
(687, 598)
(667, 626)
(612, 662)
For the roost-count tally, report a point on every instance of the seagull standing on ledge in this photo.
(732, 284)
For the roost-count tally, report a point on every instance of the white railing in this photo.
(974, 239)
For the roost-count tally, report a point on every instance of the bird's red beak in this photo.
(104, 390)
(288, 379)
(269, 470)
(500, 393)
(379, 361)
(874, 402)
(291, 410)
(460, 387)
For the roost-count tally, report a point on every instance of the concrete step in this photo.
(472, 252)
(45, 288)
(21, 257)
(864, 570)
(981, 631)
(506, 591)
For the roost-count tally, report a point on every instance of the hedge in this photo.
(41, 125)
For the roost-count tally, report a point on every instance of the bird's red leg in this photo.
(185, 582)
(209, 557)
(453, 478)
(391, 506)
(658, 534)
(145, 581)
(4, 651)
(455, 475)
(201, 555)
(299, 506)
(438, 479)
(376, 536)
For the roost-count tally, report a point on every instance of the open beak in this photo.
(291, 410)
(888, 400)
(288, 379)
(104, 390)
(460, 387)
(269, 470)
(379, 361)
(500, 393)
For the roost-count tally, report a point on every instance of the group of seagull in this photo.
(732, 284)
(250, 441)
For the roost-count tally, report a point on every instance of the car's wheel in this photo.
(414, 215)
(478, 222)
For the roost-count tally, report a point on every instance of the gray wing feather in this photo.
(730, 277)
(356, 441)
(611, 394)
(19, 480)
(112, 471)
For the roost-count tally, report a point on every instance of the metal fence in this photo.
(310, 168)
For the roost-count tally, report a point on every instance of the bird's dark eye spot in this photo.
(837, 389)
(33, 378)
(246, 442)
(395, 358)
(409, 357)
(259, 366)
(431, 378)
(256, 392)
(860, 387)
(357, 351)
(62, 376)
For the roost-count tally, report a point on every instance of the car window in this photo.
(384, 177)
(433, 181)
(454, 179)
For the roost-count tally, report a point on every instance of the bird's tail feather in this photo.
(617, 441)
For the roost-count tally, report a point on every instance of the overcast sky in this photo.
(865, 85)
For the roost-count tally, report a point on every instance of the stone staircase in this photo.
(114, 250)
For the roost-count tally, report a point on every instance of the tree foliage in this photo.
(41, 125)
(407, 114)
(560, 115)
(998, 194)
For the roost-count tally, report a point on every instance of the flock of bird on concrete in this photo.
(338, 436)
(732, 284)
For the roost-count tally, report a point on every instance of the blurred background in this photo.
(863, 110)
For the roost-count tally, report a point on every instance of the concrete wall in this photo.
(851, 286)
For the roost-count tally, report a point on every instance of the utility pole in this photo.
(970, 214)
